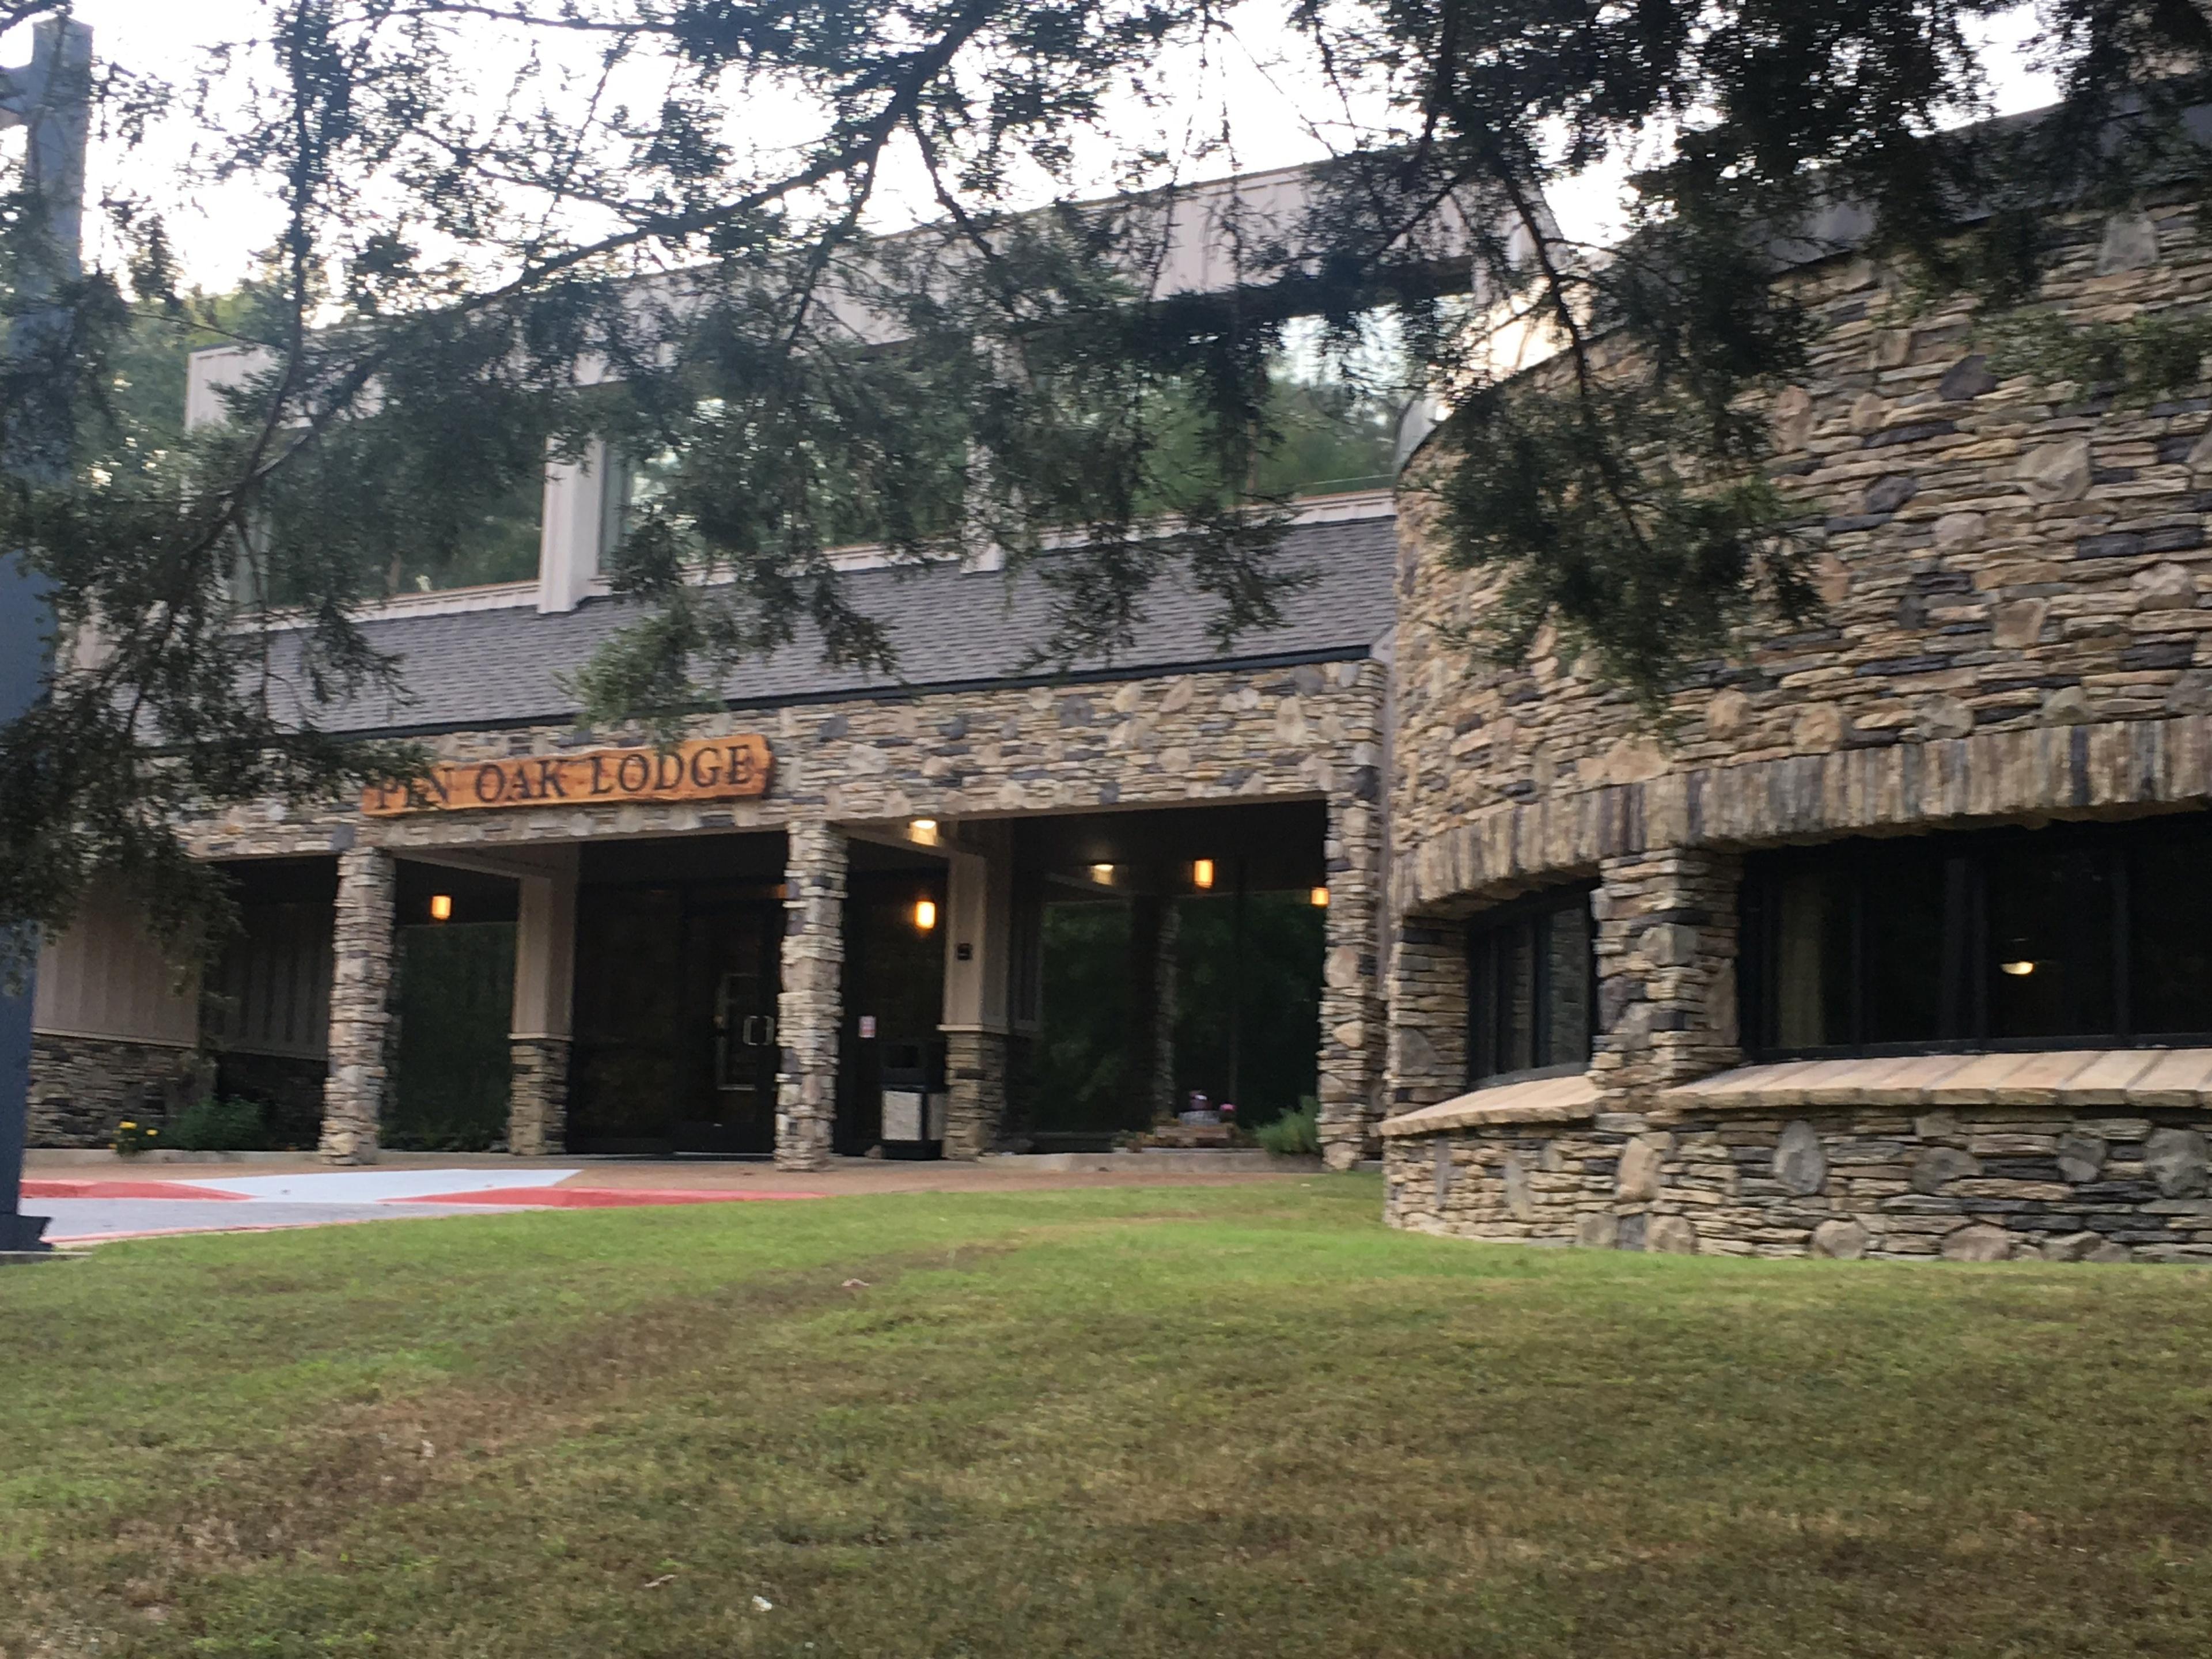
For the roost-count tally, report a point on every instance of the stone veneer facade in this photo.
(1309, 731)
(537, 1100)
(2016, 603)
(83, 1087)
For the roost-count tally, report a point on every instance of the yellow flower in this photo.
(152, 1133)
(127, 1124)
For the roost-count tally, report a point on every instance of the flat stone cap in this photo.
(1541, 1100)
(2063, 1076)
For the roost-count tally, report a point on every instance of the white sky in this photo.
(1259, 86)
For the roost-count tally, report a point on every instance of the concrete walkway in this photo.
(95, 1196)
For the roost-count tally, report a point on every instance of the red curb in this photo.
(127, 1189)
(594, 1198)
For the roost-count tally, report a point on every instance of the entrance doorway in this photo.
(676, 1004)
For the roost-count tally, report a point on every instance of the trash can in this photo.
(913, 1100)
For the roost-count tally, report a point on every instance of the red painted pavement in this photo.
(127, 1189)
(594, 1198)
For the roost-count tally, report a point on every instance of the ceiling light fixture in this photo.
(2017, 969)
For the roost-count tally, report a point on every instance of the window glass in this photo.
(1517, 998)
(2069, 934)
(1813, 958)
(1529, 1003)
(2048, 952)
(1567, 985)
(499, 545)
(1901, 943)
(2170, 929)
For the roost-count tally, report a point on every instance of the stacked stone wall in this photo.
(810, 1005)
(537, 1098)
(1311, 731)
(1351, 985)
(1977, 1184)
(2016, 601)
(975, 1076)
(1666, 949)
(1427, 1057)
(361, 1007)
(83, 1087)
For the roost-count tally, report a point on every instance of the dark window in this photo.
(1531, 988)
(2019, 938)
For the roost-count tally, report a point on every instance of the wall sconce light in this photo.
(1102, 874)
(1201, 872)
(1318, 898)
(925, 915)
(2017, 969)
(441, 907)
(924, 830)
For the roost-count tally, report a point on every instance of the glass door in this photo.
(733, 966)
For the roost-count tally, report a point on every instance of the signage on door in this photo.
(706, 769)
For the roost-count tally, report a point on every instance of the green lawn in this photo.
(1239, 1420)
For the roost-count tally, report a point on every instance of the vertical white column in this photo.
(574, 526)
(978, 958)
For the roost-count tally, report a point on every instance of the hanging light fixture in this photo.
(1201, 873)
(2020, 970)
(925, 915)
(924, 830)
(441, 907)
(1102, 874)
(1318, 898)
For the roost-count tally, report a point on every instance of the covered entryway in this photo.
(1179, 951)
(676, 985)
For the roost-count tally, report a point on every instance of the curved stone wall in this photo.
(2013, 616)
(2015, 597)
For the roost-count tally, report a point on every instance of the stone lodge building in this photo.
(685, 924)
(1897, 943)
(1901, 943)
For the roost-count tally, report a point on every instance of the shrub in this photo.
(1294, 1135)
(132, 1138)
(220, 1125)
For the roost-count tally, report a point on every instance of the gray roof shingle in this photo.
(482, 669)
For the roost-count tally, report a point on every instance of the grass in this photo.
(1242, 1420)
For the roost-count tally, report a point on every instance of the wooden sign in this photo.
(706, 769)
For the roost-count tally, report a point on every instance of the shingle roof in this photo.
(480, 669)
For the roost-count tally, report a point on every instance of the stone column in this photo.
(1666, 968)
(1427, 1058)
(811, 1003)
(976, 1073)
(361, 1007)
(538, 1041)
(1351, 1024)
(1155, 927)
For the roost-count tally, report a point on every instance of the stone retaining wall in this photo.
(1981, 1184)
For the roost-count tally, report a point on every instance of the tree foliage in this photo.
(646, 234)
